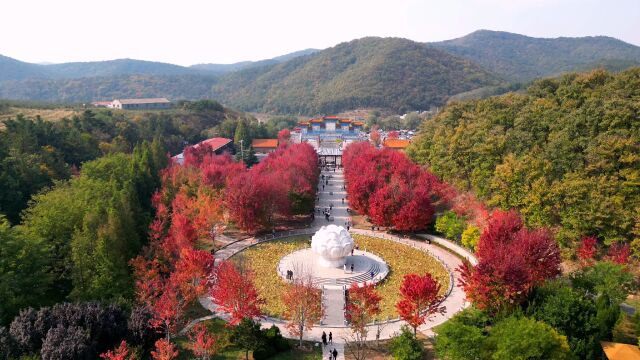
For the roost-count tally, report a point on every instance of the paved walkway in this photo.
(332, 195)
(333, 304)
(339, 348)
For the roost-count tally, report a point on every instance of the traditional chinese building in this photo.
(328, 135)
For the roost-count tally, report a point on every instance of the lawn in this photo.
(263, 259)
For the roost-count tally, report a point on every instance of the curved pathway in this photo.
(333, 194)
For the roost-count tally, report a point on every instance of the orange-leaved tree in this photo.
(303, 304)
(418, 299)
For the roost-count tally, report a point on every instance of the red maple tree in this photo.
(363, 304)
(122, 352)
(511, 261)
(587, 250)
(419, 299)
(284, 137)
(235, 293)
(165, 350)
(619, 253)
(203, 344)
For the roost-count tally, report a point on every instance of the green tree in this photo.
(450, 225)
(470, 237)
(247, 336)
(605, 278)
(25, 279)
(463, 336)
(405, 346)
(521, 338)
(571, 313)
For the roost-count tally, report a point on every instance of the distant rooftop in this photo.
(396, 143)
(143, 101)
(264, 143)
(214, 143)
(618, 351)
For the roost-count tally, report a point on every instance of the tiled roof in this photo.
(143, 101)
(396, 143)
(345, 120)
(617, 351)
(316, 120)
(303, 123)
(264, 143)
(358, 123)
(214, 143)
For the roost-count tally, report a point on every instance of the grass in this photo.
(230, 352)
(45, 114)
(263, 259)
(402, 260)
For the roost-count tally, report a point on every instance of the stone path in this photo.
(333, 304)
(339, 348)
(332, 194)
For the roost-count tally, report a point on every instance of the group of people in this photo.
(332, 354)
(289, 274)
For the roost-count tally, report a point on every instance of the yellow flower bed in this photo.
(263, 259)
(402, 260)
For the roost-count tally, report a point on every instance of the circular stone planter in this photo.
(306, 263)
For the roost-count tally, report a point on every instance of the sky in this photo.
(188, 32)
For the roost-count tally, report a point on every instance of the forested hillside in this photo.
(109, 87)
(521, 58)
(566, 153)
(392, 73)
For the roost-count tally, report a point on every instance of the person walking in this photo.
(335, 354)
(330, 337)
(324, 338)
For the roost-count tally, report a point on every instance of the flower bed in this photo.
(263, 259)
(402, 260)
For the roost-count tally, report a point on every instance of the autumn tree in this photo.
(122, 352)
(511, 261)
(234, 292)
(587, 250)
(375, 137)
(202, 343)
(284, 136)
(363, 305)
(165, 350)
(303, 307)
(419, 298)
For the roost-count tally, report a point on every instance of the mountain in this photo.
(12, 69)
(108, 87)
(391, 73)
(521, 58)
(227, 68)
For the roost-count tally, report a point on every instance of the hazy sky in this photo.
(219, 31)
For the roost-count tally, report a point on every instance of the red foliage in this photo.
(235, 293)
(165, 350)
(389, 188)
(193, 273)
(619, 253)
(284, 137)
(512, 260)
(393, 135)
(119, 353)
(419, 299)
(168, 310)
(362, 306)
(375, 137)
(588, 249)
(203, 344)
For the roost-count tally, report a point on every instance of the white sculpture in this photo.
(333, 243)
